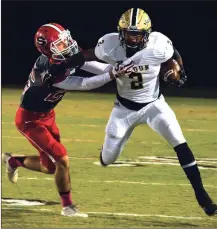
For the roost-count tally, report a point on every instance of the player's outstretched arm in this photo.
(96, 67)
(79, 60)
(84, 83)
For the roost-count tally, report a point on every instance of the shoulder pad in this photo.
(105, 44)
(162, 46)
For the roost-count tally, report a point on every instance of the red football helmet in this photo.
(55, 42)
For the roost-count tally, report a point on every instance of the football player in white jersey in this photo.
(139, 100)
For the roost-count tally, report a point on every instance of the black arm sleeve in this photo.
(183, 75)
(74, 61)
(177, 56)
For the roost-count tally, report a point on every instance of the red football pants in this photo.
(42, 132)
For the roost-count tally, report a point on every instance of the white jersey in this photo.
(142, 85)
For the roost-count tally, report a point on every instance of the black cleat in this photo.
(210, 210)
(209, 207)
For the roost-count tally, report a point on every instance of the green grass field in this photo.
(144, 194)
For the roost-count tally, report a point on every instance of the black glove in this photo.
(57, 69)
(183, 77)
(178, 83)
(169, 82)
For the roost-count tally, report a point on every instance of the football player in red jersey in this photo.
(51, 76)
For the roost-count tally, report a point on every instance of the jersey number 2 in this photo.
(137, 78)
(137, 81)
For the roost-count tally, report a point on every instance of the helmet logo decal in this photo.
(147, 21)
(41, 41)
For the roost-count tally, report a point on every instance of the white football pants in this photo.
(158, 115)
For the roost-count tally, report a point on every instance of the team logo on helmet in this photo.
(41, 41)
(147, 21)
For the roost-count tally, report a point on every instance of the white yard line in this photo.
(119, 181)
(103, 125)
(175, 158)
(199, 130)
(147, 183)
(85, 140)
(62, 139)
(149, 215)
(135, 163)
(35, 178)
(168, 159)
(84, 158)
(123, 214)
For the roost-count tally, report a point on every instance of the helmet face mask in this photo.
(63, 47)
(134, 39)
(134, 28)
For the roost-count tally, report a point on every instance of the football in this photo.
(170, 70)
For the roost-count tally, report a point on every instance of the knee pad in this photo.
(117, 130)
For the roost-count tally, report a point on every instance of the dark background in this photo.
(192, 26)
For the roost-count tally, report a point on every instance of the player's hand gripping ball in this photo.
(170, 71)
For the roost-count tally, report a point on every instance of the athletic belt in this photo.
(133, 105)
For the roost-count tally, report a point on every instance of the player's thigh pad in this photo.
(118, 130)
(161, 118)
(43, 140)
(54, 130)
(118, 123)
